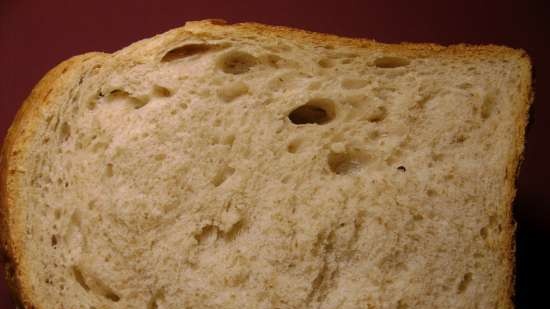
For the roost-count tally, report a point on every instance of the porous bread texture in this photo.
(248, 166)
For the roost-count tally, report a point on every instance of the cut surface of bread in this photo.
(251, 166)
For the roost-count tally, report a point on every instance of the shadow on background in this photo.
(532, 257)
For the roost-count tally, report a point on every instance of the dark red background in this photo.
(36, 35)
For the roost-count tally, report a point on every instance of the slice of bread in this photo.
(251, 166)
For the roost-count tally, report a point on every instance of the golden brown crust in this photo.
(43, 95)
(329, 41)
(14, 146)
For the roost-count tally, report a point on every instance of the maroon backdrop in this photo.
(36, 35)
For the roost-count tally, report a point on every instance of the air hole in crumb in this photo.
(350, 83)
(315, 111)
(374, 134)
(57, 214)
(91, 283)
(207, 235)
(54, 240)
(232, 91)
(402, 304)
(99, 147)
(273, 61)
(138, 103)
(401, 168)
(80, 278)
(187, 51)
(117, 94)
(326, 63)
(294, 145)
(487, 106)
(109, 170)
(459, 139)
(483, 232)
(65, 131)
(222, 175)
(424, 99)
(348, 162)
(391, 62)
(236, 62)
(234, 231)
(124, 96)
(155, 300)
(228, 139)
(111, 296)
(431, 192)
(91, 104)
(377, 114)
(464, 283)
(162, 92)
(465, 86)
(74, 225)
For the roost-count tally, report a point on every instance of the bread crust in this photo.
(42, 97)
(20, 133)
(404, 48)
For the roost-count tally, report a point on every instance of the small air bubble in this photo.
(316, 111)
(391, 62)
(378, 114)
(187, 51)
(162, 92)
(228, 139)
(223, 174)
(65, 131)
(483, 232)
(346, 163)
(237, 62)
(464, 283)
(326, 63)
(487, 106)
(293, 146)
(91, 105)
(57, 214)
(109, 170)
